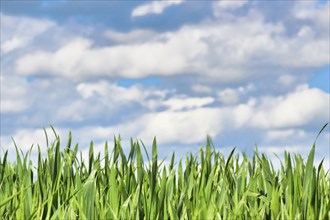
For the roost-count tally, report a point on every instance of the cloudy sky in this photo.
(246, 73)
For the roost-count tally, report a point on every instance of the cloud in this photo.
(117, 93)
(25, 138)
(12, 95)
(166, 55)
(18, 32)
(134, 36)
(63, 61)
(318, 13)
(245, 67)
(221, 6)
(213, 49)
(109, 100)
(178, 120)
(230, 96)
(185, 127)
(286, 80)
(185, 103)
(301, 107)
(198, 88)
(188, 122)
(285, 134)
(154, 7)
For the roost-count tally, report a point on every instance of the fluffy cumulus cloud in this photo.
(236, 71)
(134, 36)
(18, 32)
(301, 107)
(210, 48)
(318, 13)
(154, 7)
(12, 97)
(221, 6)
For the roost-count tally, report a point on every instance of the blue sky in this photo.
(245, 72)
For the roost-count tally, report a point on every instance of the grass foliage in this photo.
(119, 186)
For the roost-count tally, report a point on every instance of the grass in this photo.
(119, 186)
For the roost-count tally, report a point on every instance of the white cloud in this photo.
(315, 11)
(201, 88)
(77, 59)
(11, 44)
(301, 107)
(224, 8)
(285, 134)
(154, 7)
(110, 99)
(184, 103)
(103, 88)
(228, 4)
(18, 32)
(13, 91)
(234, 50)
(117, 93)
(212, 49)
(134, 36)
(187, 119)
(286, 80)
(64, 61)
(229, 96)
(180, 127)
(302, 148)
(25, 138)
(188, 122)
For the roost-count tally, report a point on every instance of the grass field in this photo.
(61, 185)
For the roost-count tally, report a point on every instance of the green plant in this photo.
(119, 186)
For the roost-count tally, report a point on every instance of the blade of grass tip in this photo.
(91, 157)
(319, 168)
(154, 149)
(4, 163)
(68, 145)
(209, 146)
(46, 135)
(139, 164)
(27, 155)
(132, 150)
(208, 155)
(53, 129)
(229, 158)
(310, 160)
(74, 154)
(106, 162)
(18, 157)
(145, 150)
(116, 149)
(324, 126)
(56, 161)
(172, 162)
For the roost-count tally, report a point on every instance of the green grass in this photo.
(61, 185)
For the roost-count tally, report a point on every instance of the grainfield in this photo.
(115, 185)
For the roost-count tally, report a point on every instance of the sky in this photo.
(247, 73)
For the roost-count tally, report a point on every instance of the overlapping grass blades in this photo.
(204, 186)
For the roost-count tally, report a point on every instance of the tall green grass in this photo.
(61, 185)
